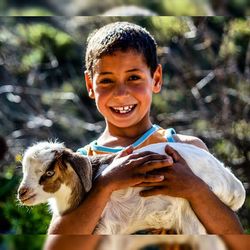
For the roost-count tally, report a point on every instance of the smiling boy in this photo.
(122, 87)
(122, 74)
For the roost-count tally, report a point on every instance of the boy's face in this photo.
(122, 87)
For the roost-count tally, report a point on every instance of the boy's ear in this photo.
(89, 85)
(157, 79)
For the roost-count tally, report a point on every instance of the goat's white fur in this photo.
(59, 202)
(35, 162)
(127, 212)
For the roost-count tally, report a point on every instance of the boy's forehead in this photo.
(126, 61)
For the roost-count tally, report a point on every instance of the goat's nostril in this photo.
(22, 191)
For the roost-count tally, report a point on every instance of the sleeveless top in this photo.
(155, 134)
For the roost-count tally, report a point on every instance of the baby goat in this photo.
(55, 174)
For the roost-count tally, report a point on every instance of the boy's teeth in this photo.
(123, 109)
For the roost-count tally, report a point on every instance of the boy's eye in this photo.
(133, 78)
(106, 80)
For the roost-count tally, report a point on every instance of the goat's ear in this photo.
(59, 159)
(81, 166)
(58, 154)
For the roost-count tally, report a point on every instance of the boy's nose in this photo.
(121, 90)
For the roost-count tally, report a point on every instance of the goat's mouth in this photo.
(28, 200)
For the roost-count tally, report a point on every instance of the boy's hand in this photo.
(179, 180)
(129, 169)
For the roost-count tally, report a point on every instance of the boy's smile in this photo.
(122, 86)
(123, 110)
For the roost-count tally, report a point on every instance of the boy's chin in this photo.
(123, 125)
(123, 121)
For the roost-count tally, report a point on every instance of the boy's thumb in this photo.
(170, 151)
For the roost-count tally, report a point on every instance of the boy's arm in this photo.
(83, 219)
(216, 217)
(236, 242)
(215, 203)
(72, 242)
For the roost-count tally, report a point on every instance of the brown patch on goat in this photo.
(73, 175)
(64, 173)
(53, 183)
(73, 170)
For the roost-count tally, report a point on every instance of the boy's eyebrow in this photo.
(135, 69)
(105, 73)
(108, 72)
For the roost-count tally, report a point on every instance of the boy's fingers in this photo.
(140, 161)
(152, 183)
(173, 153)
(152, 178)
(156, 164)
(151, 192)
(127, 151)
(139, 178)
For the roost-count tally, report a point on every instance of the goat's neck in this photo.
(99, 161)
(61, 200)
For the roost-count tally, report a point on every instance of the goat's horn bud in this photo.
(58, 155)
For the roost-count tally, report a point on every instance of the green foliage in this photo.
(30, 11)
(34, 58)
(237, 35)
(24, 220)
(168, 27)
(239, 28)
(40, 34)
(20, 219)
(22, 242)
(239, 7)
(184, 7)
(226, 149)
(201, 125)
(44, 44)
(241, 129)
(162, 103)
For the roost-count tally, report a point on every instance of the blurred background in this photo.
(95, 7)
(42, 95)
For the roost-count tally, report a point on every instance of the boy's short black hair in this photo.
(121, 36)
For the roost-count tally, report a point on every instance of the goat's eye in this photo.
(50, 173)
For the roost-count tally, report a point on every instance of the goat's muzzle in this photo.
(26, 195)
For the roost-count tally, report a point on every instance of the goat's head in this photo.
(50, 168)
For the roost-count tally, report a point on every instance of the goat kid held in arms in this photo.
(121, 76)
(54, 173)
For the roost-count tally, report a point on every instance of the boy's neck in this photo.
(121, 137)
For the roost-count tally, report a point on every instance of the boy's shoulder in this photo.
(190, 140)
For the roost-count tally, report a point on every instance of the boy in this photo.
(122, 74)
